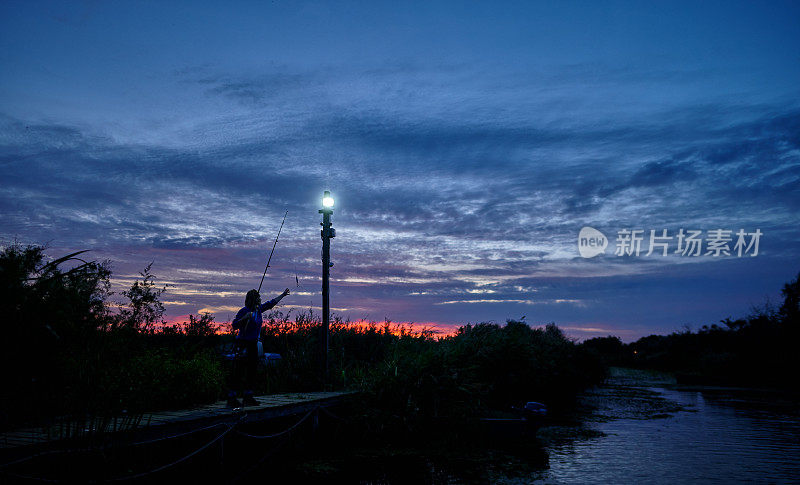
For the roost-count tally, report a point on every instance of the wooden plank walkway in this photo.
(160, 424)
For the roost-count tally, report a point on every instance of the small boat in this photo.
(525, 426)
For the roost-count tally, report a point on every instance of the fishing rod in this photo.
(273, 250)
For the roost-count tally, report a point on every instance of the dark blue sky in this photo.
(466, 145)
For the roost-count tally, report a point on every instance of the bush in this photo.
(410, 377)
(160, 379)
(73, 355)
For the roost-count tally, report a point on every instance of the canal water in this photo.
(638, 427)
(643, 428)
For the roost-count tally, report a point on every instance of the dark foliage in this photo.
(610, 350)
(409, 377)
(73, 355)
(77, 353)
(758, 350)
(144, 310)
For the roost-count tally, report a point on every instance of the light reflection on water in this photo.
(721, 436)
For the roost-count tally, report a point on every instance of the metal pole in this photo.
(326, 233)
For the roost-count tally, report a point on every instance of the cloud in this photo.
(523, 302)
(441, 191)
(186, 242)
(219, 309)
(260, 90)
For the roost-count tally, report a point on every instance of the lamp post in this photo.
(327, 234)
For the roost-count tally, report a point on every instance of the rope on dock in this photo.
(109, 446)
(168, 465)
(231, 427)
(186, 433)
(275, 435)
(127, 477)
(272, 450)
(329, 413)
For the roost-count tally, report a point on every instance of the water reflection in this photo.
(665, 434)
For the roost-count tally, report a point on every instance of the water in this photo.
(639, 427)
(656, 432)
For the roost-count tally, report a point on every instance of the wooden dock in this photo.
(161, 424)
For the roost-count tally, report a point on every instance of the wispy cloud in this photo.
(524, 302)
(443, 191)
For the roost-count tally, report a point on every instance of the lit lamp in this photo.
(327, 200)
(327, 234)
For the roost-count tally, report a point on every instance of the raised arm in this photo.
(266, 306)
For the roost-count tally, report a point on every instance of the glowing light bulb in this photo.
(327, 200)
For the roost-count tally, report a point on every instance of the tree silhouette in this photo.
(790, 310)
(144, 309)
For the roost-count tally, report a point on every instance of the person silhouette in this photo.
(248, 325)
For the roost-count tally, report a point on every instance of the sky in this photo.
(466, 145)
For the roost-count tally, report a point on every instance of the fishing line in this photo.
(271, 252)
